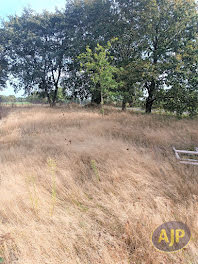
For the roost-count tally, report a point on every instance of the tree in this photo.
(36, 98)
(3, 61)
(92, 22)
(40, 51)
(97, 64)
(37, 51)
(182, 95)
(159, 28)
(127, 58)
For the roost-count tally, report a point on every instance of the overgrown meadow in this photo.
(77, 186)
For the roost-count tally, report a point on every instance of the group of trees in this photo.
(106, 50)
(9, 98)
(33, 98)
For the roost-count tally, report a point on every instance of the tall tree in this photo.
(38, 51)
(3, 60)
(92, 21)
(159, 29)
(182, 93)
(97, 64)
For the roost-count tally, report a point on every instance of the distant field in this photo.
(76, 187)
(16, 103)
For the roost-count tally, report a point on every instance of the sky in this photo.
(11, 7)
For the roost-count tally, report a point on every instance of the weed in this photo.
(33, 192)
(95, 169)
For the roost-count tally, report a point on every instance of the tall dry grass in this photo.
(112, 181)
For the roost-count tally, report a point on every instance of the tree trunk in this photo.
(96, 96)
(49, 100)
(131, 103)
(102, 103)
(124, 104)
(54, 96)
(47, 94)
(150, 99)
(152, 87)
(96, 100)
(149, 104)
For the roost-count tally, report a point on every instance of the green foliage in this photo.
(98, 64)
(183, 93)
(10, 99)
(33, 192)
(66, 54)
(95, 169)
(36, 98)
(161, 29)
(61, 97)
(37, 51)
(3, 60)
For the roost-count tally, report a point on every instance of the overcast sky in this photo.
(9, 7)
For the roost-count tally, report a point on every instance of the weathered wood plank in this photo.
(190, 163)
(176, 154)
(191, 160)
(186, 161)
(187, 152)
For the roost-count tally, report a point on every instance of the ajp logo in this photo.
(171, 236)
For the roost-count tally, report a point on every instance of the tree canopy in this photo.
(97, 64)
(156, 49)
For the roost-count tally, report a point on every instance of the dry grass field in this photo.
(76, 187)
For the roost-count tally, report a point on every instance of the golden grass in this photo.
(115, 179)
